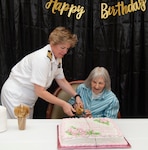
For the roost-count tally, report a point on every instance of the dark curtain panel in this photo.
(119, 43)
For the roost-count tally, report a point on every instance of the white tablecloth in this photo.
(41, 134)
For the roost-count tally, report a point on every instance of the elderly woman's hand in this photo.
(79, 102)
(78, 108)
(88, 113)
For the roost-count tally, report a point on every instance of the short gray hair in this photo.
(99, 72)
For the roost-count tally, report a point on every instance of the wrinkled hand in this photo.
(88, 113)
(79, 109)
(79, 102)
(68, 109)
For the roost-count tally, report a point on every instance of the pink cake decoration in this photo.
(90, 133)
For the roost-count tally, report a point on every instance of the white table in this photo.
(41, 134)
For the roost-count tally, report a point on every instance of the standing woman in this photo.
(33, 75)
(96, 94)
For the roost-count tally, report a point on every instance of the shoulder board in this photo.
(49, 55)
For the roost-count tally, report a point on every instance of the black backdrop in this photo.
(119, 43)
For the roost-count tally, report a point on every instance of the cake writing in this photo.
(102, 120)
(76, 131)
(80, 132)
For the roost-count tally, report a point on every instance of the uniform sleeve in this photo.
(41, 69)
(60, 74)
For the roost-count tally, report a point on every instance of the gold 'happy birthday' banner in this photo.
(61, 7)
(119, 9)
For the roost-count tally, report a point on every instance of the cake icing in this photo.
(89, 132)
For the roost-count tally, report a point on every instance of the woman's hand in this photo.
(79, 102)
(68, 109)
(88, 113)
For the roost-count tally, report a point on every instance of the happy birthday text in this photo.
(121, 8)
(65, 7)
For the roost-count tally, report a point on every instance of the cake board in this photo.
(128, 146)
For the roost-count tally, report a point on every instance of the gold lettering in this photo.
(65, 7)
(122, 6)
(121, 9)
(109, 11)
(104, 12)
(129, 7)
(114, 11)
(72, 9)
(61, 7)
(142, 4)
(81, 11)
(126, 9)
(56, 6)
(48, 4)
(135, 6)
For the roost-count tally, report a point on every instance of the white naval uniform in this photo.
(35, 68)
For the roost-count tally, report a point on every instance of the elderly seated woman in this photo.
(98, 99)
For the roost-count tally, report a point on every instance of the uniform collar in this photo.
(52, 58)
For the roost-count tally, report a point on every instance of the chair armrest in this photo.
(49, 111)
